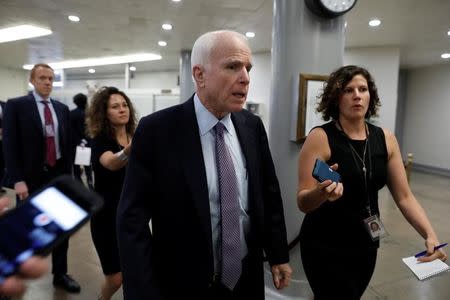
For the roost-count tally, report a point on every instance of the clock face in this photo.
(338, 6)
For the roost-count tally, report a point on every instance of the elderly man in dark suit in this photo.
(36, 145)
(202, 173)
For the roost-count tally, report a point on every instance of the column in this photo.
(186, 82)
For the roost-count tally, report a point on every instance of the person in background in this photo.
(202, 173)
(32, 268)
(111, 123)
(37, 148)
(339, 260)
(77, 120)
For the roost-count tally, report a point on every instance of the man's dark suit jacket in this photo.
(78, 128)
(24, 141)
(2, 159)
(166, 182)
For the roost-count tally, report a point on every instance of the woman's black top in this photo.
(107, 183)
(339, 224)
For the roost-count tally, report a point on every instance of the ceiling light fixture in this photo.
(22, 32)
(445, 55)
(448, 32)
(92, 71)
(162, 43)
(74, 18)
(250, 34)
(166, 26)
(374, 23)
(101, 61)
(133, 68)
(176, 0)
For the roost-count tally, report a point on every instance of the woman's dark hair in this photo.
(80, 100)
(97, 118)
(334, 87)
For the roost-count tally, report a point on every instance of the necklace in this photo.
(354, 152)
(363, 159)
(356, 155)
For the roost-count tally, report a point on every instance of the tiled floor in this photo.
(392, 280)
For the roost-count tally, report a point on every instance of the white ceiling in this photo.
(111, 27)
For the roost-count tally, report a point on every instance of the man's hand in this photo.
(281, 275)
(21, 189)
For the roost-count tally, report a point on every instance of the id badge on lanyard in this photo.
(375, 227)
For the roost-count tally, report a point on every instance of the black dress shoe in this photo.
(66, 282)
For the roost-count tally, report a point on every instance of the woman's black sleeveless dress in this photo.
(338, 254)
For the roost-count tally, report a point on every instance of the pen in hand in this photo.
(423, 253)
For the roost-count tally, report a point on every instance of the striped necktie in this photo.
(229, 209)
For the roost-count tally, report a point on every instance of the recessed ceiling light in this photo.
(445, 55)
(448, 32)
(92, 71)
(176, 0)
(166, 26)
(74, 18)
(250, 34)
(162, 43)
(374, 22)
(101, 61)
(133, 68)
(22, 32)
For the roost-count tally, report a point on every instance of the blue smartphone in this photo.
(43, 220)
(323, 172)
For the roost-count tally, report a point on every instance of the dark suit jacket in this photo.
(2, 160)
(166, 182)
(78, 128)
(77, 125)
(24, 141)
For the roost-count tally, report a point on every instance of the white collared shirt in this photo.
(41, 107)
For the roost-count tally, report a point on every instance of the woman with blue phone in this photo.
(338, 242)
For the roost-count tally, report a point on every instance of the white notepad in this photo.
(424, 270)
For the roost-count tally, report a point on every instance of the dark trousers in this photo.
(249, 286)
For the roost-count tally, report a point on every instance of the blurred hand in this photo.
(33, 267)
(21, 189)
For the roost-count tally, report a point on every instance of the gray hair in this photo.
(204, 45)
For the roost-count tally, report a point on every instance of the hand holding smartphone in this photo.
(43, 220)
(323, 172)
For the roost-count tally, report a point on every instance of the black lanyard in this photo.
(361, 170)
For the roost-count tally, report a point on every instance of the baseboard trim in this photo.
(430, 170)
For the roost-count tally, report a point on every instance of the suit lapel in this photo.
(194, 166)
(61, 124)
(247, 140)
(35, 117)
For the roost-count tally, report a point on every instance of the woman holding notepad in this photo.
(337, 239)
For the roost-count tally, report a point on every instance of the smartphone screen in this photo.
(35, 226)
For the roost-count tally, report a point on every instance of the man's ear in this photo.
(198, 74)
